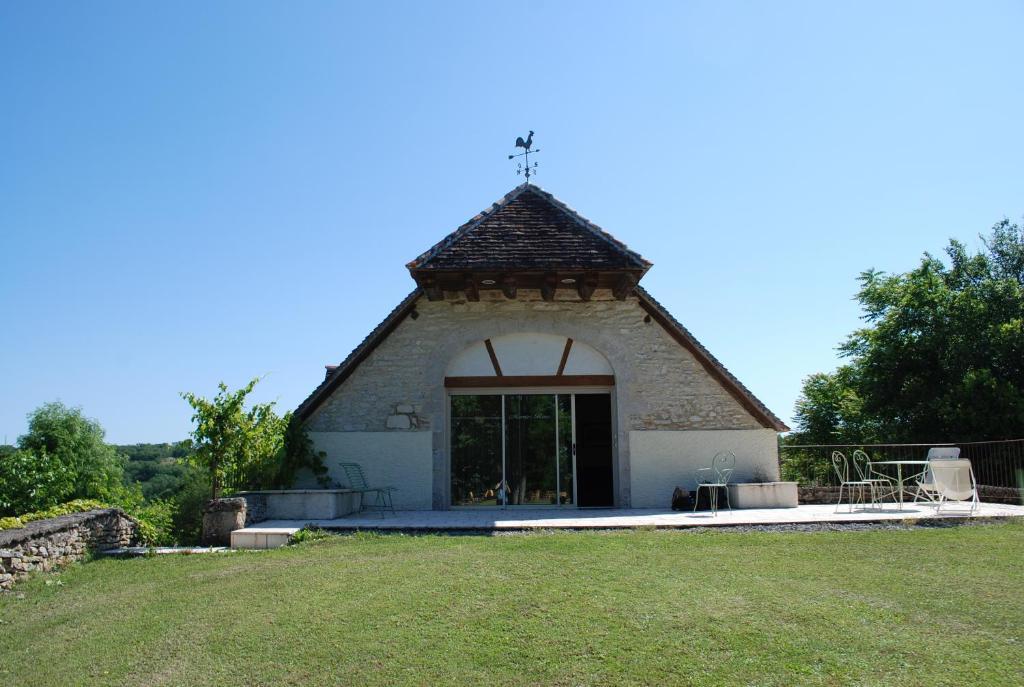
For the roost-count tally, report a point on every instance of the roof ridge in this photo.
(571, 214)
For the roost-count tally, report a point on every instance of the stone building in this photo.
(529, 368)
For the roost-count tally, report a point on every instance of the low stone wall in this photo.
(987, 494)
(47, 544)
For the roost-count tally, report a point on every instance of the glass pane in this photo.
(565, 448)
(476, 450)
(530, 450)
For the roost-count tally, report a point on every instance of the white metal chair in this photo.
(925, 485)
(881, 485)
(842, 468)
(714, 478)
(953, 480)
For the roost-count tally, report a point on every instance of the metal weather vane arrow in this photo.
(524, 167)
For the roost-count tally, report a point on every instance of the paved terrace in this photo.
(276, 532)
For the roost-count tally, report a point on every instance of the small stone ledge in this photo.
(44, 545)
(42, 528)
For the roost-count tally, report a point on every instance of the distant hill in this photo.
(158, 468)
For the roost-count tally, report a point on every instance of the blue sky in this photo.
(196, 192)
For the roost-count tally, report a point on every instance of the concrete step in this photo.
(262, 537)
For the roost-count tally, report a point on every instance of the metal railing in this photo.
(995, 463)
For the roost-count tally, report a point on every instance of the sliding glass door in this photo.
(477, 451)
(512, 450)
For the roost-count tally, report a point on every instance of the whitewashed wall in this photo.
(395, 459)
(662, 460)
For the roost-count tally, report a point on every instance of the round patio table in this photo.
(899, 471)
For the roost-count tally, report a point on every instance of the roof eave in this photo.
(716, 369)
(342, 372)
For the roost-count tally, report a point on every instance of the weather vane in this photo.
(524, 167)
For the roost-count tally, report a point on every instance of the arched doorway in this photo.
(530, 424)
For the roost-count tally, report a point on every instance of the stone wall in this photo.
(47, 544)
(659, 385)
(987, 494)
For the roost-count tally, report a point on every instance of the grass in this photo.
(901, 607)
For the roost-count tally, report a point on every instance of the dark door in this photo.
(594, 450)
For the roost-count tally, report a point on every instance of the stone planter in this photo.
(763, 495)
(221, 517)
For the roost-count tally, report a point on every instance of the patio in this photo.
(272, 533)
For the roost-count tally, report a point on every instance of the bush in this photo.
(187, 522)
(308, 534)
(156, 523)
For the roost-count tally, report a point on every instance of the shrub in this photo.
(156, 523)
(308, 534)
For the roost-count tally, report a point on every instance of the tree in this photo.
(31, 482)
(229, 442)
(941, 357)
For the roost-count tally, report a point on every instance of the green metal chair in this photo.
(357, 482)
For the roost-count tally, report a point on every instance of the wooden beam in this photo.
(548, 286)
(625, 287)
(508, 286)
(565, 357)
(528, 380)
(469, 284)
(586, 285)
(432, 288)
(494, 357)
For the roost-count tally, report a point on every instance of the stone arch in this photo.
(528, 354)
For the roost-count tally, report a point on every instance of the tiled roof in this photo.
(529, 229)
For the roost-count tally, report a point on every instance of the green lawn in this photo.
(904, 607)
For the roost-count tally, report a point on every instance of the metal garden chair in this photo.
(880, 484)
(357, 482)
(953, 480)
(925, 483)
(714, 478)
(842, 467)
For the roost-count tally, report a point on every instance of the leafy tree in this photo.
(31, 482)
(61, 457)
(230, 442)
(941, 357)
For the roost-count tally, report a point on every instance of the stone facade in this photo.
(659, 384)
(47, 544)
(399, 387)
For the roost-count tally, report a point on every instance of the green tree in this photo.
(32, 481)
(941, 356)
(64, 435)
(231, 443)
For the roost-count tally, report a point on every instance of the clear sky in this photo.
(196, 192)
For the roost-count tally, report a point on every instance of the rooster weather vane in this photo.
(524, 167)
